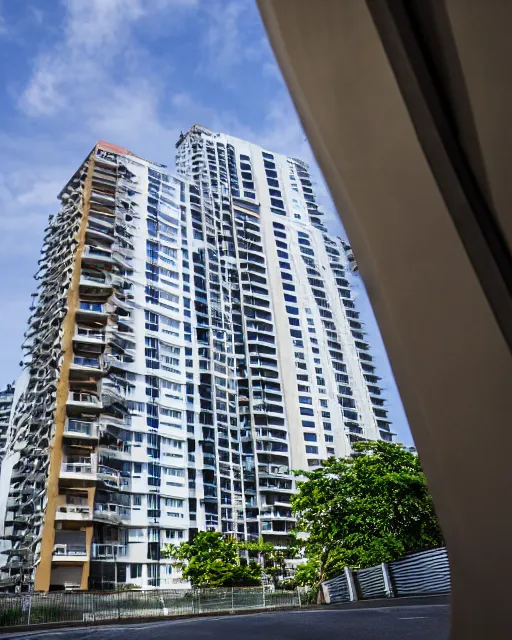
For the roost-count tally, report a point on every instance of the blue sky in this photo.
(133, 72)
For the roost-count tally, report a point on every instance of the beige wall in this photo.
(449, 356)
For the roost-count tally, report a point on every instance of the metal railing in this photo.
(421, 573)
(84, 606)
(69, 550)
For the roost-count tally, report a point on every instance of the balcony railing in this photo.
(89, 334)
(87, 398)
(91, 306)
(73, 512)
(109, 550)
(77, 467)
(69, 550)
(86, 362)
(81, 427)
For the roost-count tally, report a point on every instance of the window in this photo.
(285, 265)
(330, 450)
(311, 449)
(328, 438)
(289, 298)
(135, 535)
(283, 254)
(288, 287)
(286, 276)
(327, 426)
(151, 321)
(137, 500)
(278, 225)
(294, 321)
(324, 403)
(137, 467)
(305, 400)
(281, 245)
(292, 310)
(296, 333)
(135, 571)
(310, 437)
(326, 414)
(306, 411)
(309, 424)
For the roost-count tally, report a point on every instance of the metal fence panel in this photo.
(419, 573)
(370, 583)
(80, 607)
(337, 589)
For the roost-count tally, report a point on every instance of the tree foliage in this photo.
(274, 558)
(211, 560)
(366, 510)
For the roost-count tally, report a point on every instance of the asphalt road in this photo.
(425, 622)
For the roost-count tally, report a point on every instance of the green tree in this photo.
(274, 558)
(362, 511)
(211, 560)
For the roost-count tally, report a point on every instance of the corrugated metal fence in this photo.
(79, 607)
(421, 573)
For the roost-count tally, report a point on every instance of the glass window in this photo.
(310, 437)
(135, 571)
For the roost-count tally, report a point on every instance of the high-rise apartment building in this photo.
(193, 341)
(6, 399)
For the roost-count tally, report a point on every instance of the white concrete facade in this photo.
(216, 348)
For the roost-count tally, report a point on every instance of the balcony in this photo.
(108, 476)
(100, 283)
(73, 513)
(276, 515)
(90, 311)
(70, 553)
(109, 551)
(81, 429)
(90, 366)
(81, 473)
(277, 528)
(96, 256)
(79, 402)
(89, 336)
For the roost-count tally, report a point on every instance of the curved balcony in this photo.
(91, 312)
(73, 513)
(85, 366)
(89, 336)
(97, 257)
(81, 402)
(83, 430)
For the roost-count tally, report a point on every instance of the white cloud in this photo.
(95, 33)
(232, 39)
